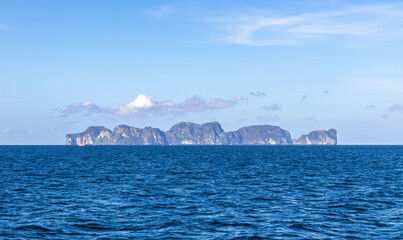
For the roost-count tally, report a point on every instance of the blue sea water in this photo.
(201, 192)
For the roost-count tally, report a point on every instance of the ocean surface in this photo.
(201, 192)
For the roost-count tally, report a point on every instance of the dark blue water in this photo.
(257, 192)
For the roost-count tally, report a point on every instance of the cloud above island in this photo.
(87, 106)
(197, 103)
(140, 106)
(144, 105)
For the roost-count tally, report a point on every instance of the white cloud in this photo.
(257, 28)
(371, 107)
(144, 105)
(142, 101)
(5, 130)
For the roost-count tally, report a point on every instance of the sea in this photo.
(201, 192)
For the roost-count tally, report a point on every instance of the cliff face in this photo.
(263, 135)
(186, 133)
(121, 135)
(92, 136)
(126, 135)
(212, 134)
(319, 137)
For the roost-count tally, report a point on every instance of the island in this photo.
(187, 133)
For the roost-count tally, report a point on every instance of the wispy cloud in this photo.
(30, 131)
(396, 108)
(258, 94)
(185, 8)
(217, 103)
(383, 71)
(87, 106)
(4, 27)
(311, 119)
(258, 28)
(144, 105)
(370, 106)
(273, 107)
(377, 84)
(20, 131)
(198, 104)
(192, 104)
(160, 11)
(305, 97)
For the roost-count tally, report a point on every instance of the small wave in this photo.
(92, 226)
(170, 224)
(230, 224)
(59, 203)
(249, 237)
(264, 199)
(33, 227)
(301, 226)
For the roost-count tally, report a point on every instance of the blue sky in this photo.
(301, 65)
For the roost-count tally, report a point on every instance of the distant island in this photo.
(186, 133)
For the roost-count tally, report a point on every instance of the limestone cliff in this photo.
(186, 133)
(261, 135)
(319, 137)
(126, 135)
(92, 136)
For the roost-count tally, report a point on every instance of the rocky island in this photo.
(186, 133)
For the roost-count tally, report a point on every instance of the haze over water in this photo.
(203, 192)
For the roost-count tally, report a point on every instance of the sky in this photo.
(301, 65)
